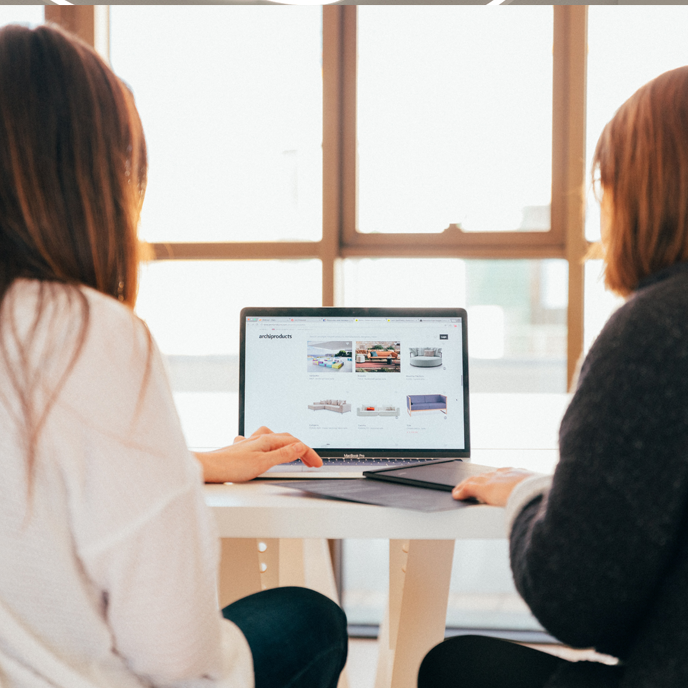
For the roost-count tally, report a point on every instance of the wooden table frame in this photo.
(415, 613)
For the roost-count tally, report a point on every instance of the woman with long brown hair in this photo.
(108, 554)
(599, 550)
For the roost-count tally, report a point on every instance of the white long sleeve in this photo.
(114, 570)
(524, 493)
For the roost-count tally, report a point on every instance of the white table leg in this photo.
(387, 637)
(270, 561)
(385, 655)
(307, 563)
(420, 572)
(239, 573)
(249, 565)
(318, 568)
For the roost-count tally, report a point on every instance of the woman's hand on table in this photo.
(250, 456)
(491, 488)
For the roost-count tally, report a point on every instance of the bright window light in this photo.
(486, 331)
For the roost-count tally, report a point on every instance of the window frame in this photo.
(340, 239)
(550, 242)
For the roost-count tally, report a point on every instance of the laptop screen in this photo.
(358, 382)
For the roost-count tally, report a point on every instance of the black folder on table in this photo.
(404, 488)
(443, 474)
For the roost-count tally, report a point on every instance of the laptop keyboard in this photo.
(364, 462)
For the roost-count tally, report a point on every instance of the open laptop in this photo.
(366, 388)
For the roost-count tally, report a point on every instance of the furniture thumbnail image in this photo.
(337, 405)
(327, 363)
(426, 402)
(422, 357)
(376, 357)
(330, 356)
(378, 411)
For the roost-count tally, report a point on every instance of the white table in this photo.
(296, 553)
(274, 536)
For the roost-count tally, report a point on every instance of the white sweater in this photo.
(110, 569)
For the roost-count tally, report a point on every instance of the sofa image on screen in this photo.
(337, 405)
(426, 357)
(378, 357)
(329, 357)
(327, 363)
(426, 402)
(378, 411)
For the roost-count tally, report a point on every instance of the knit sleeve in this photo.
(523, 494)
(588, 556)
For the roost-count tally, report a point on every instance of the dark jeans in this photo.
(298, 637)
(483, 662)
(480, 661)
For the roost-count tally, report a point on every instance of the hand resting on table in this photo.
(491, 488)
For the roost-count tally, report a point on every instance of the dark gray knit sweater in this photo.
(602, 561)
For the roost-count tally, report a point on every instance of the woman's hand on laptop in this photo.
(250, 456)
(491, 488)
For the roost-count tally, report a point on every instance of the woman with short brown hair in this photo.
(641, 164)
(599, 550)
(109, 555)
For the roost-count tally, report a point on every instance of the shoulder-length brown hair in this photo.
(72, 165)
(72, 180)
(641, 162)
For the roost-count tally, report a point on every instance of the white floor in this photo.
(361, 663)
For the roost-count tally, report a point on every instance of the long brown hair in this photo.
(641, 162)
(72, 179)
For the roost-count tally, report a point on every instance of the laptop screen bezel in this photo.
(365, 453)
